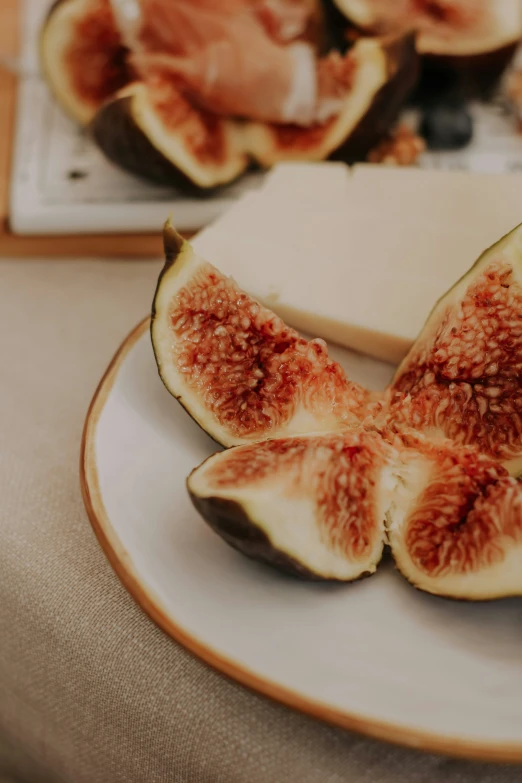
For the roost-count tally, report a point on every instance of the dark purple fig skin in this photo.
(464, 77)
(229, 520)
(403, 73)
(122, 141)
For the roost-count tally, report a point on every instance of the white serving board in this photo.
(61, 184)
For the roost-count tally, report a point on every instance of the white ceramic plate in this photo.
(376, 656)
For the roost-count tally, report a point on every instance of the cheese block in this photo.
(361, 261)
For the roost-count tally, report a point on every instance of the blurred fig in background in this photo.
(190, 92)
(465, 45)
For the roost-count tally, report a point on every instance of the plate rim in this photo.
(121, 563)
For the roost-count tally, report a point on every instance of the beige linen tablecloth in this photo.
(90, 690)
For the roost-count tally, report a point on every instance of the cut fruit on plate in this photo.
(239, 371)
(462, 378)
(82, 56)
(322, 507)
(151, 130)
(472, 42)
(463, 536)
(313, 505)
(385, 72)
(329, 472)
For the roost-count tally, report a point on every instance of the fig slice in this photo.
(151, 130)
(461, 536)
(311, 505)
(239, 371)
(464, 46)
(462, 379)
(82, 56)
(384, 74)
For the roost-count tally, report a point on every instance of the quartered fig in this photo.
(325, 474)
(311, 505)
(240, 372)
(462, 535)
(465, 45)
(82, 56)
(462, 378)
(380, 74)
(153, 131)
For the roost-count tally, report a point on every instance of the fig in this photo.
(465, 46)
(462, 378)
(152, 130)
(82, 56)
(384, 73)
(310, 505)
(462, 536)
(239, 371)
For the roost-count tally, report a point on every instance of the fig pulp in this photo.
(462, 379)
(82, 56)
(236, 367)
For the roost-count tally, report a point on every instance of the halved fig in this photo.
(466, 41)
(82, 56)
(462, 537)
(462, 379)
(313, 505)
(152, 130)
(380, 74)
(240, 372)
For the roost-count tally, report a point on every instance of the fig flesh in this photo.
(462, 379)
(465, 46)
(153, 131)
(310, 505)
(82, 56)
(240, 372)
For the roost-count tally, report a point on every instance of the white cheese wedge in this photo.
(360, 260)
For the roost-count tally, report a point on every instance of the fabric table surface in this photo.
(91, 691)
